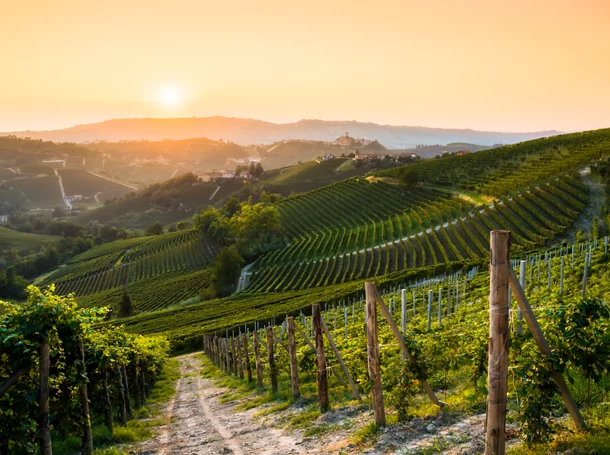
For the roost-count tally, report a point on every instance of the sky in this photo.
(523, 65)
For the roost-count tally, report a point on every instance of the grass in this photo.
(24, 242)
(147, 418)
(595, 440)
(368, 433)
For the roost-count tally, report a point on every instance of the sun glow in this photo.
(170, 97)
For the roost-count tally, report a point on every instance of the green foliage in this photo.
(226, 270)
(252, 228)
(59, 320)
(127, 308)
(154, 229)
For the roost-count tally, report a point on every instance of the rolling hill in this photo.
(356, 229)
(23, 241)
(173, 200)
(250, 131)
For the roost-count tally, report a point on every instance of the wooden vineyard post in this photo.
(440, 306)
(127, 396)
(430, 297)
(292, 352)
(107, 404)
(313, 348)
(122, 397)
(84, 402)
(522, 271)
(320, 358)
(499, 268)
(225, 343)
(545, 349)
(213, 352)
(561, 274)
(405, 351)
(584, 277)
(403, 311)
(240, 360)
(257, 358)
(43, 397)
(373, 353)
(331, 342)
(247, 356)
(233, 356)
(271, 359)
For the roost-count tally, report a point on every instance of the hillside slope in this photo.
(168, 202)
(250, 131)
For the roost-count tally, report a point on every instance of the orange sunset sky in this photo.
(508, 66)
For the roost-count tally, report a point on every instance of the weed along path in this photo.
(200, 424)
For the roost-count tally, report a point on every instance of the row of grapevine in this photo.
(49, 344)
(509, 168)
(443, 323)
(167, 255)
(529, 217)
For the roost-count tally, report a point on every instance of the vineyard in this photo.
(160, 271)
(78, 181)
(81, 375)
(421, 228)
(443, 325)
(504, 170)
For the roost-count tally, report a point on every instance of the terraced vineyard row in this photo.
(533, 217)
(152, 293)
(285, 174)
(334, 206)
(513, 167)
(165, 255)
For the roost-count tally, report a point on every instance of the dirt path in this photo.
(594, 207)
(199, 424)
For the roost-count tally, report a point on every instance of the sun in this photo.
(170, 97)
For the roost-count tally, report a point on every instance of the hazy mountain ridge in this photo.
(251, 131)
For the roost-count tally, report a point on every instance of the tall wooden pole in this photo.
(498, 343)
(247, 356)
(271, 359)
(84, 402)
(43, 397)
(257, 357)
(333, 346)
(321, 359)
(240, 360)
(373, 353)
(292, 351)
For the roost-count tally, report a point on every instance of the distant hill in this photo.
(168, 202)
(251, 131)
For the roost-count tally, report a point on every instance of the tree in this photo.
(127, 307)
(154, 229)
(258, 170)
(231, 207)
(256, 228)
(226, 270)
(182, 225)
(409, 176)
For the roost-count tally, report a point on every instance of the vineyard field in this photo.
(357, 250)
(81, 182)
(123, 264)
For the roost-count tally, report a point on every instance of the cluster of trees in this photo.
(252, 228)
(157, 228)
(245, 230)
(254, 169)
(12, 286)
(75, 239)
